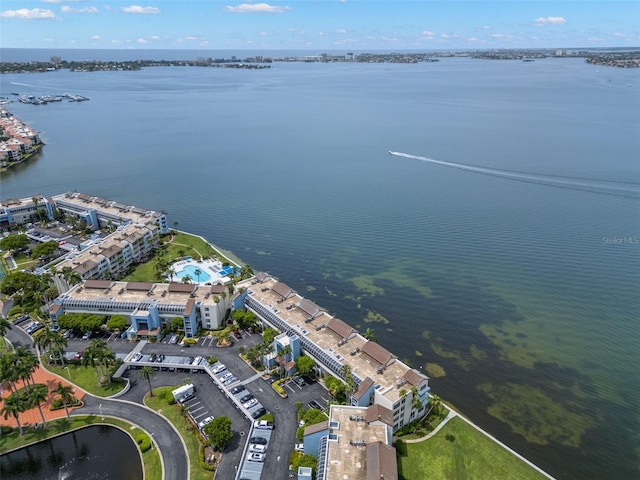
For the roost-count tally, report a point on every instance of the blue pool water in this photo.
(191, 271)
(228, 270)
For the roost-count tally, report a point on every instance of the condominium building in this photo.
(355, 443)
(378, 376)
(16, 211)
(111, 256)
(148, 306)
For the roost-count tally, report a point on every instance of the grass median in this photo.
(158, 403)
(85, 378)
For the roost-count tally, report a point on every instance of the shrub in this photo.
(190, 341)
(143, 441)
(5, 429)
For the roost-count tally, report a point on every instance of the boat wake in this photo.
(605, 187)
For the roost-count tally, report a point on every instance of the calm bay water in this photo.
(523, 289)
(98, 452)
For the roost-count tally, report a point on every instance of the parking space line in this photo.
(199, 415)
(194, 404)
(195, 409)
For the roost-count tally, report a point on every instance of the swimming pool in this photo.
(191, 271)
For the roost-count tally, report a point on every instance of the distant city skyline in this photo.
(356, 25)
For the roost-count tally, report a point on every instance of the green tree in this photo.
(14, 242)
(268, 335)
(219, 432)
(335, 387)
(416, 403)
(13, 406)
(304, 365)
(5, 325)
(370, 334)
(146, 373)
(66, 395)
(305, 460)
(45, 249)
(36, 397)
(350, 387)
(186, 279)
(435, 405)
(117, 322)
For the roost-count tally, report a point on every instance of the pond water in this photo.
(96, 452)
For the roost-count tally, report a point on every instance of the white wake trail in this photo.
(601, 185)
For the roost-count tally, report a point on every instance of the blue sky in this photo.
(318, 24)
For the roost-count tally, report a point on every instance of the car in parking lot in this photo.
(205, 422)
(219, 369)
(251, 403)
(160, 358)
(258, 440)
(226, 376)
(78, 355)
(263, 425)
(314, 404)
(186, 397)
(229, 380)
(257, 448)
(237, 389)
(246, 398)
(256, 457)
(86, 336)
(299, 381)
(259, 412)
(67, 334)
(299, 447)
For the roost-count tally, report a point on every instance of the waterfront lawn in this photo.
(85, 378)
(158, 403)
(13, 440)
(460, 451)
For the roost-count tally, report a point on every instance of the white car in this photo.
(256, 457)
(226, 377)
(205, 422)
(251, 403)
(263, 424)
(219, 369)
(299, 447)
(257, 448)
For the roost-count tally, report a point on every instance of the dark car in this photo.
(258, 440)
(258, 413)
(246, 398)
(238, 389)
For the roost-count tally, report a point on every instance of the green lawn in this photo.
(460, 452)
(159, 404)
(10, 441)
(85, 377)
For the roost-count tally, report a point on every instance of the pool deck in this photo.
(211, 267)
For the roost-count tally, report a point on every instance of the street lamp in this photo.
(68, 371)
(100, 407)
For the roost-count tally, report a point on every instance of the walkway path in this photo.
(436, 430)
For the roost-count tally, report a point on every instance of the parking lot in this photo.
(213, 399)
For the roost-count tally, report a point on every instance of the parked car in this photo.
(263, 425)
(229, 380)
(258, 440)
(246, 398)
(87, 336)
(299, 447)
(299, 381)
(205, 422)
(78, 355)
(186, 397)
(67, 334)
(237, 389)
(251, 403)
(257, 448)
(226, 377)
(259, 412)
(219, 369)
(256, 457)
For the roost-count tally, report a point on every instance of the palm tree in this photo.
(57, 345)
(4, 326)
(89, 358)
(175, 225)
(370, 334)
(44, 340)
(403, 393)
(107, 358)
(416, 403)
(36, 397)
(186, 279)
(436, 404)
(66, 395)
(345, 370)
(25, 364)
(147, 373)
(13, 407)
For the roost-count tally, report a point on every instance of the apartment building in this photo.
(148, 306)
(378, 376)
(16, 211)
(355, 443)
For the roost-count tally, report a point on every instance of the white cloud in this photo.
(68, 9)
(445, 35)
(115, 42)
(26, 14)
(95, 37)
(140, 10)
(141, 40)
(256, 8)
(550, 21)
(500, 36)
(60, 1)
(155, 37)
(486, 27)
(428, 34)
(619, 35)
(191, 39)
(266, 34)
(341, 31)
